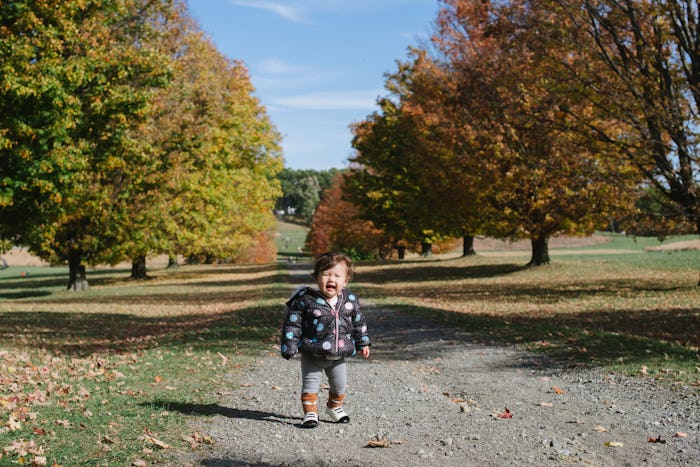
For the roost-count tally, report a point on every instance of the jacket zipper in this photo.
(337, 322)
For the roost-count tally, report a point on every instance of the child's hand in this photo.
(365, 351)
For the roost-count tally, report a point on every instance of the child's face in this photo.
(332, 281)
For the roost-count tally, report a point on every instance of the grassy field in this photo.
(290, 241)
(124, 373)
(120, 374)
(613, 305)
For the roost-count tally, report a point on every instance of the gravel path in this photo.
(431, 396)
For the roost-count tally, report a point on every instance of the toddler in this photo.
(325, 325)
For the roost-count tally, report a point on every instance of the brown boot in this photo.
(309, 403)
(334, 408)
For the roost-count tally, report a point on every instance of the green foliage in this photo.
(301, 192)
(126, 133)
(385, 183)
(73, 92)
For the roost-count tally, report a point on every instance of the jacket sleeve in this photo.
(359, 328)
(291, 329)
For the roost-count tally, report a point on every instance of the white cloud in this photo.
(297, 11)
(275, 66)
(329, 100)
(290, 12)
(275, 74)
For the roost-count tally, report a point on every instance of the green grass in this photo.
(290, 238)
(112, 375)
(637, 313)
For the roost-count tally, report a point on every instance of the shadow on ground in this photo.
(209, 410)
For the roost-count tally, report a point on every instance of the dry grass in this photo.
(111, 376)
(588, 309)
(116, 375)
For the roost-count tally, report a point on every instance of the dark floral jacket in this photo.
(313, 326)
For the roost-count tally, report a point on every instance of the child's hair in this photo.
(332, 259)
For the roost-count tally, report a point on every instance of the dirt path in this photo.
(432, 396)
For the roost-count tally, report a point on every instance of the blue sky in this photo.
(317, 65)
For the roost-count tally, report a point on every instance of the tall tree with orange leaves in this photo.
(336, 225)
(638, 64)
(544, 179)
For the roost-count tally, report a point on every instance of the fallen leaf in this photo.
(139, 463)
(13, 424)
(378, 443)
(644, 370)
(197, 438)
(614, 444)
(680, 434)
(224, 358)
(505, 414)
(658, 439)
(600, 429)
(156, 442)
(557, 390)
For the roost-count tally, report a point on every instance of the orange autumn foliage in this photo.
(336, 225)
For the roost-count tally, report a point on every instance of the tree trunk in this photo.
(540, 251)
(468, 245)
(172, 262)
(138, 268)
(426, 249)
(77, 277)
(401, 251)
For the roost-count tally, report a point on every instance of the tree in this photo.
(642, 71)
(544, 179)
(76, 82)
(126, 133)
(336, 225)
(383, 182)
(301, 192)
(454, 181)
(653, 218)
(219, 157)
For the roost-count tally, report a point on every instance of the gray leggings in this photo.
(312, 369)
